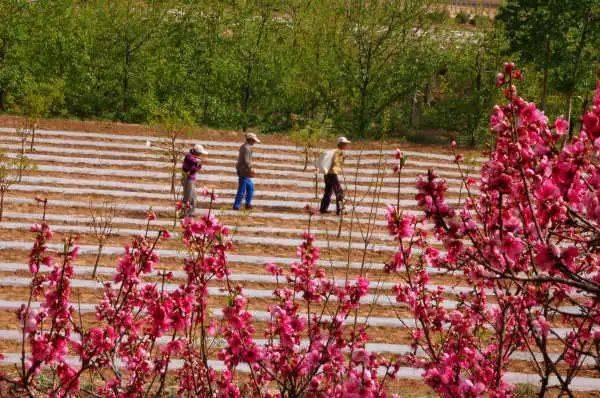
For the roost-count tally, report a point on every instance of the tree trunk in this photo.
(2, 204)
(246, 104)
(32, 138)
(98, 255)
(2, 99)
(306, 154)
(415, 113)
(570, 107)
(543, 387)
(174, 161)
(544, 90)
(173, 174)
(362, 112)
(125, 81)
(3, 51)
(22, 158)
(545, 79)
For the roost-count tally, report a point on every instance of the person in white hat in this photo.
(192, 163)
(332, 181)
(245, 172)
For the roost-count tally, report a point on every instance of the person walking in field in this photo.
(245, 172)
(192, 164)
(332, 165)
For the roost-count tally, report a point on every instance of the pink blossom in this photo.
(561, 126)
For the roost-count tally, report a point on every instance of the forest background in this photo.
(409, 69)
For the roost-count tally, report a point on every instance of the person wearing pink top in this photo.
(192, 164)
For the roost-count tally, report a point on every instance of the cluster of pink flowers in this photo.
(47, 330)
(528, 236)
(144, 331)
(305, 352)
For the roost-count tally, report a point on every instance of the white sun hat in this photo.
(253, 137)
(343, 140)
(198, 149)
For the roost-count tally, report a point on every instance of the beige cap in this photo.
(253, 137)
(198, 149)
(344, 140)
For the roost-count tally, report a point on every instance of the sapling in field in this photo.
(44, 202)
(37, 102)
(8, 177)
(174, 125)
(23, 162)
(101, 227)
(308, 139)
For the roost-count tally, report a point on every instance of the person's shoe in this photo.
(249, 207)
(324, 211)
(235, 208)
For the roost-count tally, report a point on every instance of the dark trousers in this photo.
(332, 184)
(189, 197)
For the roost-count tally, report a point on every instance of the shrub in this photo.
(462, 17)
(438, 16)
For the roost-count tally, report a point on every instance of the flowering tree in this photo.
(127, 353)
(145, 332)
(526, 244)
(314, 345)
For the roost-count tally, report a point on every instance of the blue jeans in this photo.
(245, 188)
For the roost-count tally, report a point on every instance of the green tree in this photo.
(254, 31)
(560, 38)
(13, 28)
(466, 77)
(376, 46)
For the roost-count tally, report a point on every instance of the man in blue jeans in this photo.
(245, 172)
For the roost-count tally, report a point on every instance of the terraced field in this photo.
(77, 171)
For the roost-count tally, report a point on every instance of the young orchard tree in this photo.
(8, 177)
(309, 137)
(38, 100)
(22, 161)
(174, 125)
(101, 226)
(527, 238)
